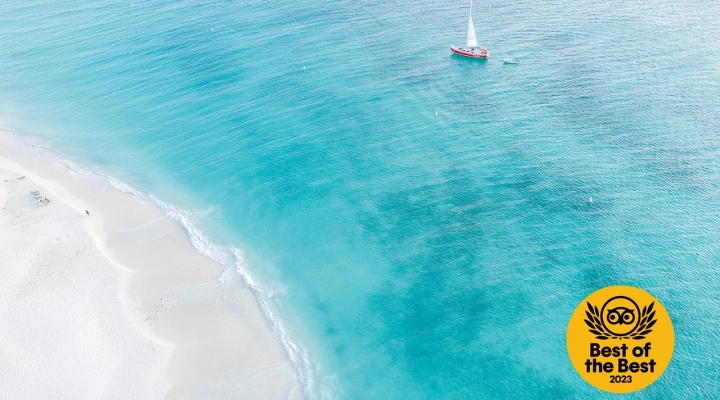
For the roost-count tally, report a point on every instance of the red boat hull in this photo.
(482, 53)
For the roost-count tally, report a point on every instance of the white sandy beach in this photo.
(81, 315)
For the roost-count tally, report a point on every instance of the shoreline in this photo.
(208, 330)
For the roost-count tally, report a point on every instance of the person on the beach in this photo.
(87, 212)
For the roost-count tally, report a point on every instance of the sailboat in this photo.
(472, 49)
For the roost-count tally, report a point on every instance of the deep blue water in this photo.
(413, 255)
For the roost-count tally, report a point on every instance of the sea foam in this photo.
(234, 261)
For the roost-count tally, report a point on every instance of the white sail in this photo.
(472, 38)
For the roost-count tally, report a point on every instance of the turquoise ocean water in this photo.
(423, 224)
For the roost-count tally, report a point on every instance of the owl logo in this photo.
(620, 318)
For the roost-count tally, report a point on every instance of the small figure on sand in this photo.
(157, 313)
(42, 200)
(162, 302)
(87, 212)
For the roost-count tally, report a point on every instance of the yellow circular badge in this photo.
(620, 339)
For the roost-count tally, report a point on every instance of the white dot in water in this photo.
(590, 199)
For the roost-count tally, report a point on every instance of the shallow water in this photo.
(412, 255)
